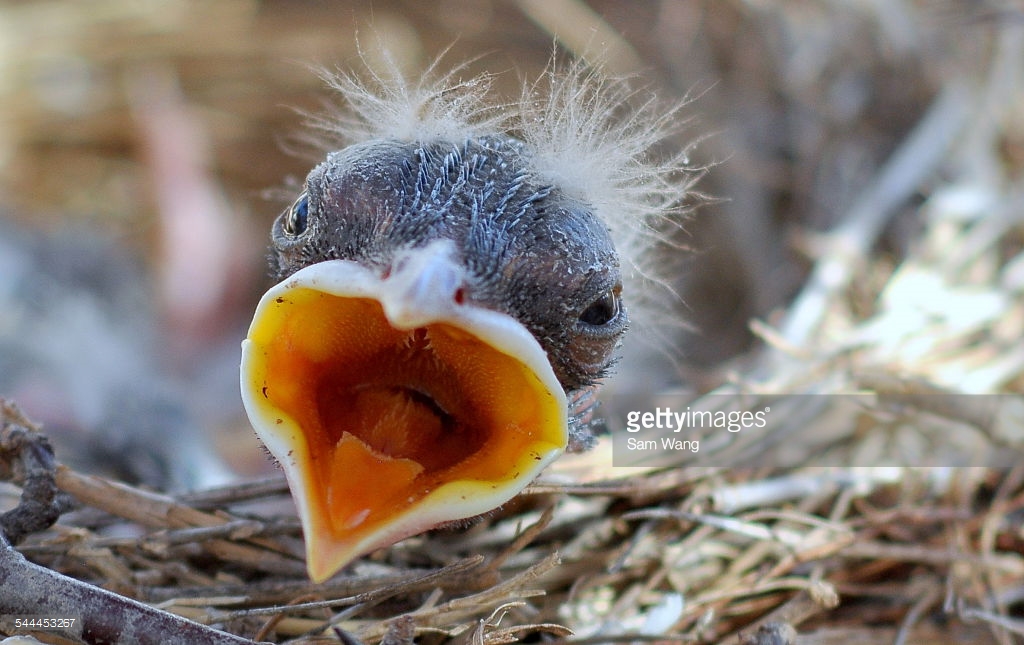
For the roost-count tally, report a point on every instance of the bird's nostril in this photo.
(460, 296)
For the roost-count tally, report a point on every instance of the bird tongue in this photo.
(385, 431)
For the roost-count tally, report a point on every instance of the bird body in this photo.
(449, 295)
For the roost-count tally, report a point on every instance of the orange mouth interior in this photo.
(389, 416)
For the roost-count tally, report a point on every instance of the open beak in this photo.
(393, 405)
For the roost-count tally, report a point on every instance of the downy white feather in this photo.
(596, 137)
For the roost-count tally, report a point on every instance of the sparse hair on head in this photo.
(596, 137)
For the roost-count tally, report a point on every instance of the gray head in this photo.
(524, 247)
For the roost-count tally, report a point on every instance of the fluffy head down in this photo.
(595, 137)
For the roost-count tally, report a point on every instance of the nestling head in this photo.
(450, 294)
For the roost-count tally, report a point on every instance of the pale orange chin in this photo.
(389, 431)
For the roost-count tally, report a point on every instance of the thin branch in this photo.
(100, 616)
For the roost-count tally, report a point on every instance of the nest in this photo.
(889, 510)
(772, 546)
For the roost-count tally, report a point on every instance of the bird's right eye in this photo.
(603, 310)
(298, 216)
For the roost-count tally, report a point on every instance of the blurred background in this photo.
(145, 147)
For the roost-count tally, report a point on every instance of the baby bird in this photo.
(450, 295)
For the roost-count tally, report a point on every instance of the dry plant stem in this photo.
(426, 581)
(981, 412)
(274, 620)
(234, 530)
(160, 511)
(584, 32)
(459, 575)
(930, 599)
(29, 589)
(848, 245)
(435, 616)
(1006, 564)
(105, 617)
(996, 620)
(795, 611)
(236, 493)
(524, 539)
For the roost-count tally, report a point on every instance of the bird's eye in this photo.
(298, 216)
(602, 311)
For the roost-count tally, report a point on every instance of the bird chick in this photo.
(450, 295)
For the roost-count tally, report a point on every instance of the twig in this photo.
(426, 581)
(463, 607)
(102, 616)
(526, 537)
(26, 458)
(160, 511)
(1006, 563)
(236, 493)
(930, 598)
(798, 609)
(1005, 622)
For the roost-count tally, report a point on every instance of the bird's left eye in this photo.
(298, 216)
(603, 310)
